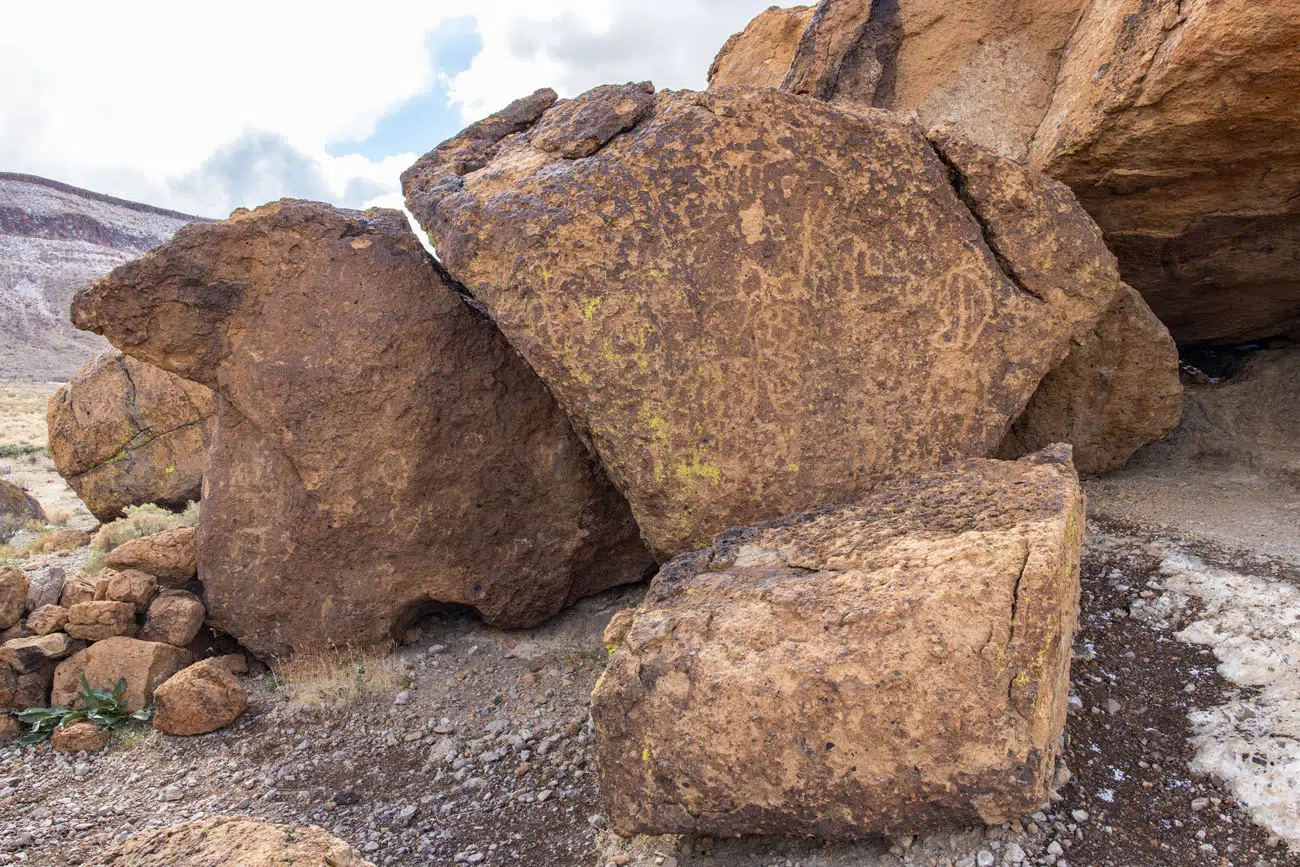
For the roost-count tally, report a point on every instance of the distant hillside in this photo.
(55, 239)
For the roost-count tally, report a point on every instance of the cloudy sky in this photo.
(204, 108)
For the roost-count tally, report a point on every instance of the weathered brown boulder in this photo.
(133, 586)
(95, 621)
(17, 508)
(19, 691)
(796, 299)
(78, 736)
(883, 667)
(1197, 196)
(169, 556)
(10, 728)
(232, 842)
(13, 595)
(175, 617)
(197, 700)
(1116, 391)
(47, 619)
(143, 664)
(124, 433)
(379, 446)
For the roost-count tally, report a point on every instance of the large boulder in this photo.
(379, 447)
(143, 664)
(1196, 195)
(794, 300)
(232, 842)
(124, 433)
(17, 509)
(1117, 391)
(884, 667)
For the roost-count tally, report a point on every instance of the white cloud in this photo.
(206, 108)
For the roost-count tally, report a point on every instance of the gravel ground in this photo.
(472, 745)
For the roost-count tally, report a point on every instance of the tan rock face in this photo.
(175, 618)
(232, 842)
(885, 667)
(80, 735)
(13, 595)
(762, 54)
(144, 665)
(1116, 391)
(169, 556)
(47, 619)
(95, 621)
(821, 309)
(379, 446)
(17, 507)
(1198, 197)
(124, 433)
(10, 728)
(197, 700)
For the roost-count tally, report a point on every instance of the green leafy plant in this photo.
(106, 708)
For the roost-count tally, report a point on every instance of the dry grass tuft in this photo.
(49, 541)
(340, 676)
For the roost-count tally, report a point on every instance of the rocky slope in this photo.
(54, 240)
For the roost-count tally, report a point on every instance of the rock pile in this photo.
(1197, 196)
(124, 433)
(91, 634)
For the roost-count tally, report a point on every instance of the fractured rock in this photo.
(47, 619)
(133, 586)
(1116, 391)
(25, 655)
(124, 433)
(379, 446)
(798, 299)
(234, 841)
(13, 595)
(45, 588)
(169, 556)
(143, 664)
(885, 667)
(197, 700)
(95, 621)
(175, 618)
(80, 588)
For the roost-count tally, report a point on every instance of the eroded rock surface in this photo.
(1199, 197)
(751, 302)
(143, 664)
(884, 667)
(124, 433)
(379, 444)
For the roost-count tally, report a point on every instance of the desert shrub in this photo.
(106, 708)
(49, 541)
(137, 523)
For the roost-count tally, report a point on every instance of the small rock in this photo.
(80, 735)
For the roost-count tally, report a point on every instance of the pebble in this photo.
(984, 858)
(1079, 816)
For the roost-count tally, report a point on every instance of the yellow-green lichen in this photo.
(696, 469)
